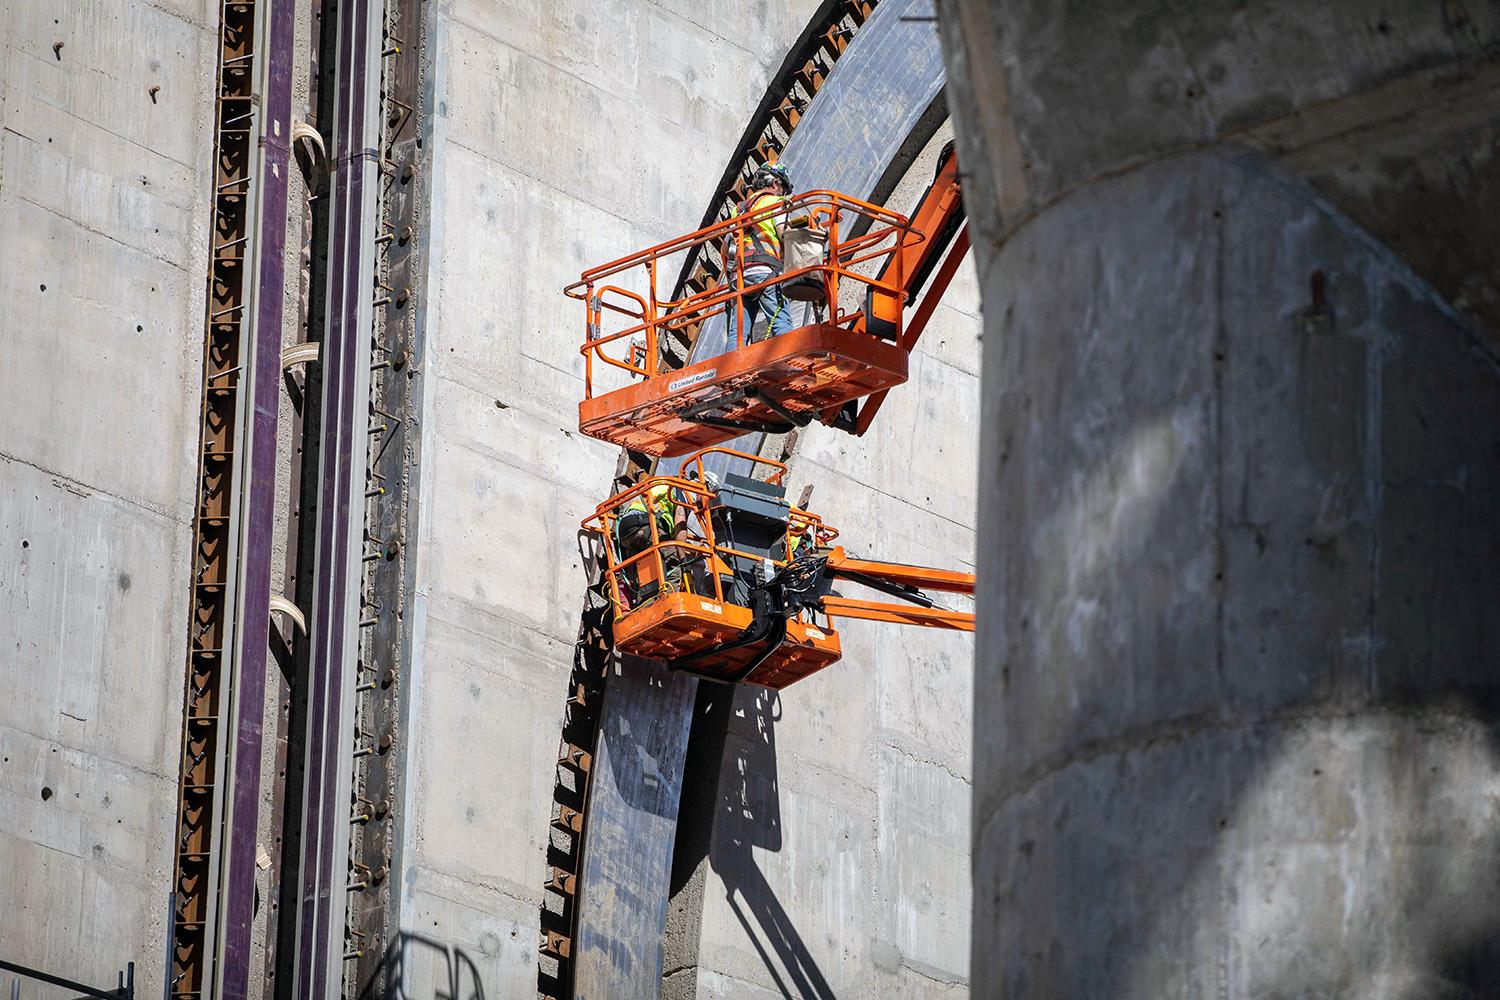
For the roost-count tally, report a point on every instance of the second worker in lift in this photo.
(669, 507)
(759, 249)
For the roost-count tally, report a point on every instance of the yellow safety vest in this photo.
(660, 497)
(760, 243)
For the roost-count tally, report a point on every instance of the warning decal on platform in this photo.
(692, 380)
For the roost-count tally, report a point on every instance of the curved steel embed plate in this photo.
(878, 91)
(851, 133)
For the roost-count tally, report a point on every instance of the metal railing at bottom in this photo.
(124, 991)
(699, 563)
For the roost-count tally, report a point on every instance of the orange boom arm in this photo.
(900, 580)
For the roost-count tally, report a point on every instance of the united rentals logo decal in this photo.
(692, 380)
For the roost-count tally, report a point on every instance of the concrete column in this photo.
(1235, 707)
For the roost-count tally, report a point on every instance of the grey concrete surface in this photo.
(1237, 655)
(563, 135)
(558, 143)
(1389, 108)
(102, 195)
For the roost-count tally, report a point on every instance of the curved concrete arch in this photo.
(861, 122)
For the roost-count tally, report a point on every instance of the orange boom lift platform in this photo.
(859, 266)
(746, 594)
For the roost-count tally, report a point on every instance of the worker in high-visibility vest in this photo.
(799, 540)
(634, 523)
(669, 508)
(757, 248)
(633, 531)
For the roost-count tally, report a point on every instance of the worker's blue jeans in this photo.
(768, 302)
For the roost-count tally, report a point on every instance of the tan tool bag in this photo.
(803, 246)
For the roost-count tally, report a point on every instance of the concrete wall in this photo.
(563, 135)
(102, 203)
(1388, 108)
(1239, 646)
(1237, 482)
(839, 860)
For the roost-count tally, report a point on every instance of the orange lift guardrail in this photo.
(852, 348)
(743, 593)
(866, 265)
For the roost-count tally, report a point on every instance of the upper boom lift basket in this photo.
(852, 347)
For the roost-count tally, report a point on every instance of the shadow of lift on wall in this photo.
(749, 816)
(417, 967)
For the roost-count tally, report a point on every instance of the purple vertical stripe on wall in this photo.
(259, 512)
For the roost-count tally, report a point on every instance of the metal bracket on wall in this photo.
(280, 605)
(300, 354)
